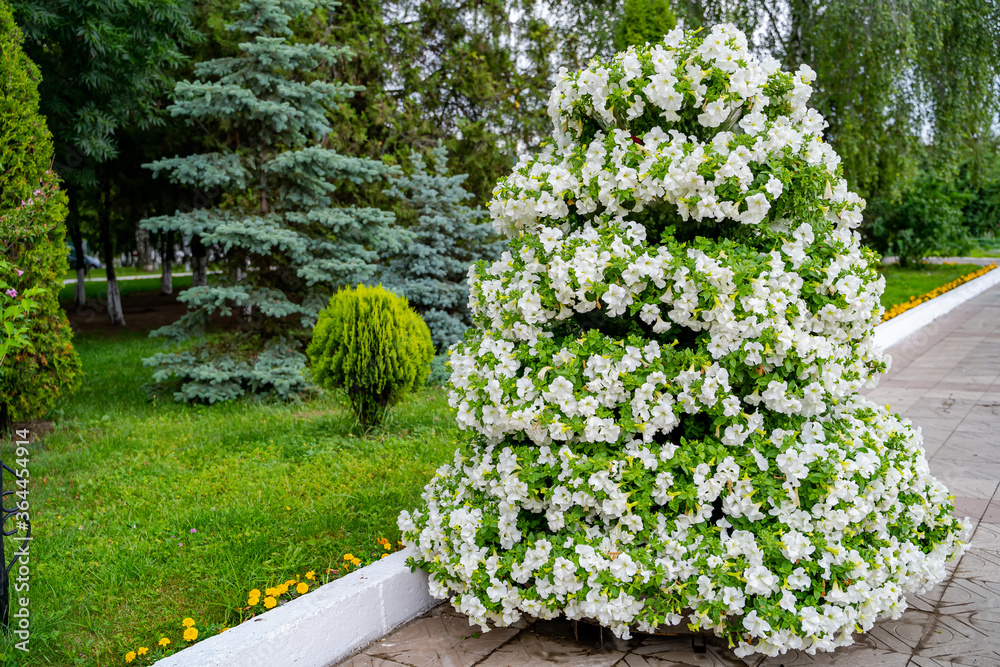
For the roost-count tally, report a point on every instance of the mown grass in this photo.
(272, 490)
(99, 290)
(121, 271)
(903, 282)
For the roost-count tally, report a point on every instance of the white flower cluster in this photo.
(662, 391)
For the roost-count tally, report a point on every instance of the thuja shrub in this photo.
(662, 391)
(371, 345)
(32, 240)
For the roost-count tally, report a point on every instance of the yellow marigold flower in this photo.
(302, 589)
(270, 602)
(191, 634)
(356, 561)
(282, 589)
(142, 651)
(271, 592)
(385, 555)
(164, 641)
(253, 601)
(310, 575)
(130, 656)
(255, 593)
(188, 622)
(348, 557)
(291, 582)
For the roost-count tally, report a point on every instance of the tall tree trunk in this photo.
(144, 248)
(199, 263)
(115, 314)
(73, 222)
(167, 262)
(5, 422)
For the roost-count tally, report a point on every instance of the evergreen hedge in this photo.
(32, 238)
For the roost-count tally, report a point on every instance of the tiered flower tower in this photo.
(662, 388)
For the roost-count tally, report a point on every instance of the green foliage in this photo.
(886, 73)
(643, 21)
(99, 80)
(473, 74)
(927, 221)
(448, 236)
(440, 371)
(982, 211)
(370, 344)
(41, 363)
(287, 238)
(15, 308)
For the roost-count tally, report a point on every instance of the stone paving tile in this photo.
(962, 445)
(530, 648)
(946, 379)
(369, 661)
(441, 638)
(968, 488)
(676, 652)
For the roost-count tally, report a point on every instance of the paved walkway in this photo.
(946, 378)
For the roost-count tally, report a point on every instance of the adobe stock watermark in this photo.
(16, 576)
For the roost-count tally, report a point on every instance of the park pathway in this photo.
(946, 378)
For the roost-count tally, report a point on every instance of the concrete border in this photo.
(322, 627)
(336, 620)
(900, 327)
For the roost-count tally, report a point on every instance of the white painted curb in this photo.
(323, 626)
(900, 327)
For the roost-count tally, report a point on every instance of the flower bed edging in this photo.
(894, 331)
(323, 627)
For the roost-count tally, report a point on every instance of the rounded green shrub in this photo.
(369, 343)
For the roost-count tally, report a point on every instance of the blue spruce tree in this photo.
(449, 236)
(286, 239)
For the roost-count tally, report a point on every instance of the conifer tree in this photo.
(431, 272)
(38, 364)
(286, 244)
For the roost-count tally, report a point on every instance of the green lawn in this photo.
(99, 290)
(271, 489)
(122, 271)
(902, 283)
